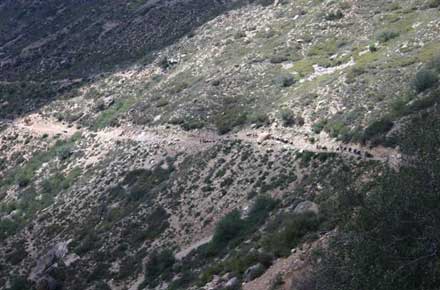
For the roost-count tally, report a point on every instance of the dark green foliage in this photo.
(387, 35)
(237, 263)
(319, 126)
(64, 152)
(260, 209)
(425, 79)
(391, 244)
(265, 2)
(19, 253)
(89, 241)
(129, 267)
(258, 118)
(24, 175)
(284, 81)
(229, 228)
(288, 231)
(278, 59)
(232, 228)
(157, 224)
(434, 64)
(378, 128)
(183, 281)
(143, 183)
(240, 261)
(99, 272)
(334, 15)
(8, 227)
(230, 118)
(287, 117)
(19, 283)
(101, 285)
(390, 238)
(433, 3)
(191, 123)
(22, 95)
(159, 267)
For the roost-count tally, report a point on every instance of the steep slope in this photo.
(229, 159)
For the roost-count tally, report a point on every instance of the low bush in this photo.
(334, 15)
(283, 81)
(8, 227)
(288, 231)
(278, 59)
(319, 126)
(232, 228)
(159, 267)
(230, 118)
(287, 117)
(386, 35)
(258, 118)
(378, 128)
(191, 123)
(433, 3)
(19, 283)
(142, 183)
(425, 79)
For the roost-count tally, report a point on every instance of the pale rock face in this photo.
(306, 206)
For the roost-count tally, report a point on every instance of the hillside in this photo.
(192, 144)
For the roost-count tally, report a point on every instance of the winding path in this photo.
(193, 141)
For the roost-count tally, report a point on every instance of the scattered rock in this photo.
(306, 206)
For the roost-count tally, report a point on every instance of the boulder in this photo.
(306, 206)
(232, 283)
(253, 272)
(263, 137)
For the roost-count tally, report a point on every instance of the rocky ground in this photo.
(285, 104)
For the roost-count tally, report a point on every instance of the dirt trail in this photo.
(40, 126)
(323, 145)
(194, 141)
(184, 252)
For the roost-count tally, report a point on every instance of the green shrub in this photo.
(159, 267)
(258, 118)
(283, 81)
(230, 118)
(289, 232)
(372, 47)
(386, 35)
(388, 238)
(378, 128)
(240, 261)
(19, 283)
(319, 126)
(388, 245)
(143, 183)
(232, 228)
(191, 123)
(425, 79)
(334, 15)
(433, 3)
(259, 211)
(434, 64)
(278, 59)
(227, 229)
(8, 227)
(287, 117)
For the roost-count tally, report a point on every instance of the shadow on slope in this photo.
(48, 46)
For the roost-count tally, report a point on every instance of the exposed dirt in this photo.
(178, 140)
